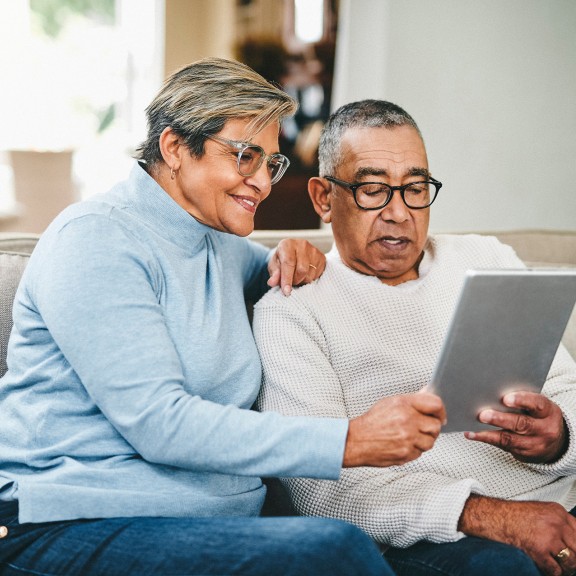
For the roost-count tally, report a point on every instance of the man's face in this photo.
(386, 243)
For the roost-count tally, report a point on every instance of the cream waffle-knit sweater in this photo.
(338, 345)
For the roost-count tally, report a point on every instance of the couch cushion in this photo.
(11, 267)
(20, 242)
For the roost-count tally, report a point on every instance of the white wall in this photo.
(492, 85)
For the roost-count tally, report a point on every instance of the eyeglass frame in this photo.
(354, 187)
(241, 147)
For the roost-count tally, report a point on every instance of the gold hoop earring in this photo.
(172, 174)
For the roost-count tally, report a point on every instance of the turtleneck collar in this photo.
(149, 202)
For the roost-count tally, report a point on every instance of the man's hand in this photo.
(295, 262)
(394, 431)
(537, 435)
(541, 529)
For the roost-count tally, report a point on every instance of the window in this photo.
(84, 72)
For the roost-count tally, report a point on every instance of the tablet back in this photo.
(503, 336)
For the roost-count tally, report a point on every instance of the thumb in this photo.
(274, 279)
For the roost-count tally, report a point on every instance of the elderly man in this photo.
(492, 502)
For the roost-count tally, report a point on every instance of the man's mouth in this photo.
(393, 243)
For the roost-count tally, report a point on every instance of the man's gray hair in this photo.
(361, 114)
(200, 98)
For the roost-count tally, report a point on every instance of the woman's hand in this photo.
(295, 262)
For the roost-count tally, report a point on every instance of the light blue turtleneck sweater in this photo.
(132, 371)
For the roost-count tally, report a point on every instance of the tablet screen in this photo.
(503, 336)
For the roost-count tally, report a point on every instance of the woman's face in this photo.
(211, 189)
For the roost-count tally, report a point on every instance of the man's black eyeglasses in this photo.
(375, 195)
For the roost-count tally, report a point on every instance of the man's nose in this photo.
(396, 210)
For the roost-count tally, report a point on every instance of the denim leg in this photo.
(190, 546)
(467, 557)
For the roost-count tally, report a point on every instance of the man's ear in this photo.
(171, 148)
(319, 190)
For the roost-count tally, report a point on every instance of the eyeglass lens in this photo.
(416, 195)
(250, 159)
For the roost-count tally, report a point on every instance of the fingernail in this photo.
(509, 399)
(287, 290)
(485, 416)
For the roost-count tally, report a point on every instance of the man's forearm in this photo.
(540, 529)
(483, 517)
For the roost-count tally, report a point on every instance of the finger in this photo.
(310, 276)
(287, 270)
(536, 405)
(429, 404)
(274, 279)
(424, 442)
(431, 427)
(565, 559)
(281, 270)
(500, 439)
(517, 423)
(316, 269)
(303, 272)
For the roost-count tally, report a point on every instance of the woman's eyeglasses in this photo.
(251, 156)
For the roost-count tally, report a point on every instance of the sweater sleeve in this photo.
(393, 505)
(560, 387)
(96, 290)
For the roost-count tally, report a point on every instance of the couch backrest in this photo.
(12, 266)
(18, 242)
(16, 248)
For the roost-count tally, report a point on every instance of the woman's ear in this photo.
(319, 190)
(171, 148)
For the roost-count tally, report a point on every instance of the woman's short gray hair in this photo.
(361, 114)
(200, 98)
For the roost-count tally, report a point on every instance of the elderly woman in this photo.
(128, 446)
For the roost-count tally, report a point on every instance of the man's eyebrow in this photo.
(370, 171)
(419, 172)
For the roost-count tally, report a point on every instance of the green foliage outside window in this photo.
(52, 15)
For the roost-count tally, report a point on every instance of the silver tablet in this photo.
(503, 336)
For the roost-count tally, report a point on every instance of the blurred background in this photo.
(491, 83)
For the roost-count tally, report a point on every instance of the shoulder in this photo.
(314, 307)
(475, 249)
(92, 240)
(307, 296)
(88, 223)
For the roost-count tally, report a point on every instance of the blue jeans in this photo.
(187, 546)
(469, 556)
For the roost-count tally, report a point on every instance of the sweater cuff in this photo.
(322, 446)
(566, 464)
(436, 516)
